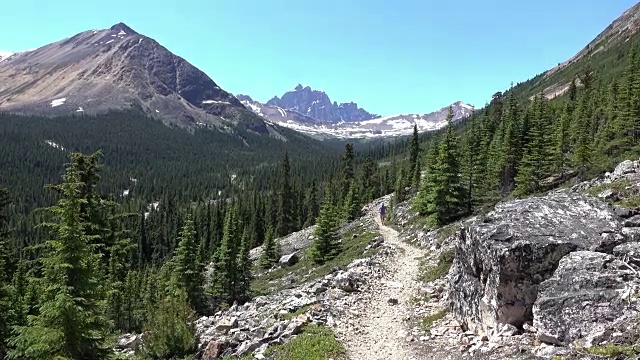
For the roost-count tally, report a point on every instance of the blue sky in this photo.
(401, 56)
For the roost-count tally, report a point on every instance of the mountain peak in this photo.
(298, 88)
(97, 71)
(123, 27)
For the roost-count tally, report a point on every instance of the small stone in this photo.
(226, 324)
(608, 195)
(392, 301)
(623, 212)
(529, 328)
(633, 221)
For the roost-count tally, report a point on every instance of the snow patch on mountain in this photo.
(5, 55)
(58, 102)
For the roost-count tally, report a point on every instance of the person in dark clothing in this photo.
(383, 210)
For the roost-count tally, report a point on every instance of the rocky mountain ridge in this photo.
(375, 127)
(317, 105)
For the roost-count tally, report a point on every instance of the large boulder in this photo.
(501, 259)
(625, 167)
(289, 260)
(588, 297)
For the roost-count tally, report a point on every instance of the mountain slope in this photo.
(100, 70)
(606, 55)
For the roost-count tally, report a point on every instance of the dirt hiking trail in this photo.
(382, 330)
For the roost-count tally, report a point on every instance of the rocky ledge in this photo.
(562, 268)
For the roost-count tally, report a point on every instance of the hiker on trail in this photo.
(383, 210)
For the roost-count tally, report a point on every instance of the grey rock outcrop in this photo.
(502, 258)
(588, 297)
(289, 260)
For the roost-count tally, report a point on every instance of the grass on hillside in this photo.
(315, 343)
(305, 270)
(428, 320)
(428, 274)
(630, 196)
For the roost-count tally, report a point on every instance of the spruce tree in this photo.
(325, 244)
(399, 192)
(270, 254)
(582, 135)
(312, 205)
(472, 166)
(244, 266)
(561, 137)
(187, 272)
(422, 201)
(348, 170)
(535, 161)
(71, 322)
(225, 269)
(445, 197)
(352, 207)
(286, 222)
(369, 187)
(170, 329)
(414, 153)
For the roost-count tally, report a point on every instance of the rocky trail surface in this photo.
(380, 331)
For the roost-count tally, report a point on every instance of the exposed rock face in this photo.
(316, 104)
(314, 115)
(588, 297)
(502, 259)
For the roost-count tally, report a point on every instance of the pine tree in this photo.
(244, 266)
(573, 90)
(535, 161)
(561, 149)
(286, 222)
(369, 188)
(170, 329)
(325, 245)
(352, 206)
(445, 197)
(422, 202)
(270, 254)
(348, 170)
(312, 205)
(582, 135)
(143, 243)
(225, 270)
(71, 322)
(510, 146)
(399, 192)
(187, 272)
(414, 153)
(472, 165)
